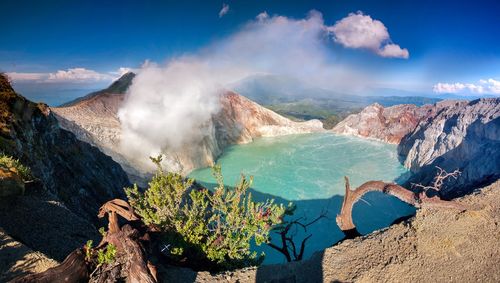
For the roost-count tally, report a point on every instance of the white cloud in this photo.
(15, 76)
(169, 106)
(361, 31)
(262, 16)
(394, 51)
(224, 10)
(71, 75)
(494, 86)
(78, 75)
(122, 71)
(490, 86)
(448, 88)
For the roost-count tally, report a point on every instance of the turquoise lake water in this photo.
(308, 170)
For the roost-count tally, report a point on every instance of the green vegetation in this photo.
(332, 110)
(102, 231)
(106, 257)
(209, 230)
(88, 250)
(326, 111)
(332, 120)
(8, 162)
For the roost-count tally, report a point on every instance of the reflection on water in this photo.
(309, 170)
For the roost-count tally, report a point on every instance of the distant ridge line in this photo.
(117, 87)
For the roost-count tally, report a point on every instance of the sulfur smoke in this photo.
(169, 106)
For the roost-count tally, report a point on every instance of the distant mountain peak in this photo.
(119, 86)
(122, 84)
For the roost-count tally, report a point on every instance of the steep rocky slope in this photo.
(94, 119)
(73, 179)
(434, 246)
(450, 134)
(79, 174)
(465, 136)
(239, 120)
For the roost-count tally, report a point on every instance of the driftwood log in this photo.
(417, 199)
(131, 263)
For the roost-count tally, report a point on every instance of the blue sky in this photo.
(455, 43)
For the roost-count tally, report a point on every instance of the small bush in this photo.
(88, 250)
(102, 231)
(214, 228)
(9, 162)
(106, 257)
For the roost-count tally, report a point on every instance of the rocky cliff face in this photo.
(463, 135)
(389, 124)
(55, 213)
(75, 172)
(450, 134)
(240, 120)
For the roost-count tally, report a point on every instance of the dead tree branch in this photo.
(131, 260)
(73, 269)
(416, 199)
(438, 181)
(120, 207)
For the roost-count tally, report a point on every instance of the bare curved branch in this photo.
(439, 179)
(418, 200)
(121, 208)
(131, 254)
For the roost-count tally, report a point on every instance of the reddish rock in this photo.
(389, 124)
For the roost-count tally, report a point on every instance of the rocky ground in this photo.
(17, 259)
(45, 224)
(434, 246)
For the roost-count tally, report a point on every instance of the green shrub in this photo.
(88, 250)
(9, 162)
(215, 228)
(102, 231)
(106, 257)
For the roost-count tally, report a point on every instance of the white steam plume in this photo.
(170, 106)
